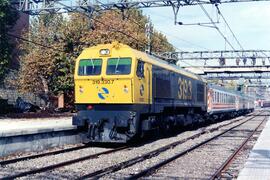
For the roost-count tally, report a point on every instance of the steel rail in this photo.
(151, 169)
(11, 161)
(228, 161)
(130, 162)
(58, 165)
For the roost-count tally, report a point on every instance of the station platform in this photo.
(17, 127)
(36, 134)
(257, 166)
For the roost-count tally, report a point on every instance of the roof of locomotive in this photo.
(146, 57)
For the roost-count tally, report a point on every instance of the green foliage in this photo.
(62, 79)
(8, 19)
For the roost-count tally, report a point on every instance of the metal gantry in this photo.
(35, 7)
(208, 55)
(236, 76)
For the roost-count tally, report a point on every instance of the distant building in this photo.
(14, 65)
(22, 24)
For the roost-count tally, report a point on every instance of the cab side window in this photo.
(140, 69)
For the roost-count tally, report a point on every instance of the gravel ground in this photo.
(79, 169)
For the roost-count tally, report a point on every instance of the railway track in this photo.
(121, 165)
(152, 169)
(62, 164)
(231, 158)
(24, 158)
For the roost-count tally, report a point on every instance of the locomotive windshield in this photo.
(118, 66)
(89, 67)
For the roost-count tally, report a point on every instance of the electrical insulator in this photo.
(222, 61)
(237, 61)
(253, 60)
(245, 61)
(263, 62)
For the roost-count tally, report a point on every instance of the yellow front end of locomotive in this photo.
(104, 91)
(106, 74)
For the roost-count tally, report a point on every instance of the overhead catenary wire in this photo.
(137, 40)
(219, 12)
(181, 39)
(219, 31)
(33, 42)
(134, 21)
(140, 26)
(227, 24)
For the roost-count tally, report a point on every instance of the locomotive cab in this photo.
(111, 76)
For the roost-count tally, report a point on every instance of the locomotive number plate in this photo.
(102, 81)
(185, 89)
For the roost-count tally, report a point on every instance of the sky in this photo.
(250, 23)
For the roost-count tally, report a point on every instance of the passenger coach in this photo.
(224, 102)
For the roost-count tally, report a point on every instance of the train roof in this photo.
(166, 65)
(222, 88)
(177, 68)
(146, 57)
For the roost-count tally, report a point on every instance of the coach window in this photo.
(117, 66)
(140, 69)
(222, 96)
(89, 67)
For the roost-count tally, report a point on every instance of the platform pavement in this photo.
(16, 127)
(257, 166)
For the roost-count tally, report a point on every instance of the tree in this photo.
(52, 67)
(8, 18)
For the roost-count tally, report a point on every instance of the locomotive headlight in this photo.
(104, 52)
(81, 89)
(125, 89)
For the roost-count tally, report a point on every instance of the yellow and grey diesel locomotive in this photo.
(122, 93)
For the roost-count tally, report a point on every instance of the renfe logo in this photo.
(102, 93)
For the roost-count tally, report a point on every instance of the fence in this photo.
(12, 95)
